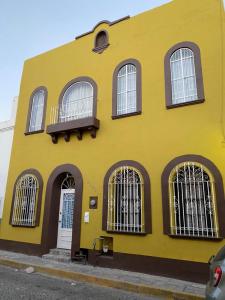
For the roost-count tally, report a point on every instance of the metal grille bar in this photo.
(24, 210)
(125, 201)
(192, 201)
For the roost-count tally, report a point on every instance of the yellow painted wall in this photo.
(153, 138)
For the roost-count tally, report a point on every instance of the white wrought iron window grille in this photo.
(183, 76)
(77, 102)
(126, 90)
(25, 201)
(68, 183)
(37, 110)
(125, 201)
(192, 201)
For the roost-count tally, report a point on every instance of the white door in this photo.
(65, 224)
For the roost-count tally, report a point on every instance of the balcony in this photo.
(75, 118)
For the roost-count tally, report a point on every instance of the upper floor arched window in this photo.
(183, 75)
(127, 89)
(101, 41)
(78, 100)
(36, 113)
(26, 203)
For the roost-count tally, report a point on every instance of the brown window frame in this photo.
(100, 48)
(147, 197)
(27, 132)
(39, 198)
(219, 194)
(137, 64)
(198, 72)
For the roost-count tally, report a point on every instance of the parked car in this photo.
(215, 289)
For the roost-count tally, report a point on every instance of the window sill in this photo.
(126, 115)
(89, 124)
(100, 49)
(34, 132)
(126, 232)
(205, 238)
(169, 106)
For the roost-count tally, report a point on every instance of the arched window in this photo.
(77, 101)
(101, 41)
(183, 78)
(126, 92)
(192, 199)
(127, 89)
(36, 115)
(26, 201)
(126, 202)
(183, 75)
(125, 207)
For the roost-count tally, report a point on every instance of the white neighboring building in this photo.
(6, 138)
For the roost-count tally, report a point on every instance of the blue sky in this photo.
(29, 27)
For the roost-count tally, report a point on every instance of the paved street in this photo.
(17, 284)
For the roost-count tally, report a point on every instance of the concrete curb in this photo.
(122, 285)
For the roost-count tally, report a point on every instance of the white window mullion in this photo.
(126, 106)
(182, 73)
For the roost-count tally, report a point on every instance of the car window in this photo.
(220, 255)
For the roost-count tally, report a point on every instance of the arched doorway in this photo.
(64, 183)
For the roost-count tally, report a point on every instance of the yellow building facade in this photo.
(110, 157)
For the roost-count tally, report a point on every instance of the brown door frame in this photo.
(51, 212)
